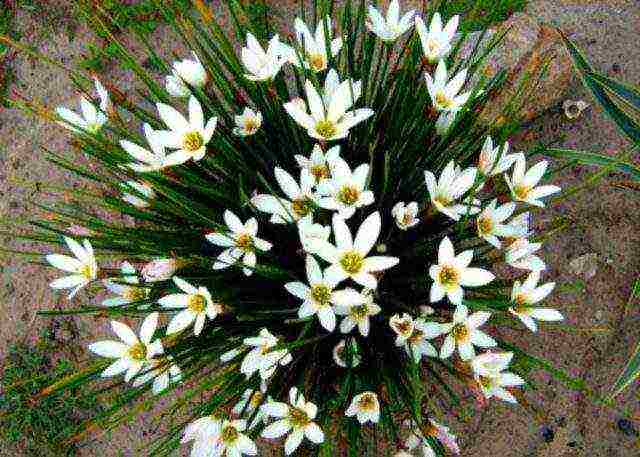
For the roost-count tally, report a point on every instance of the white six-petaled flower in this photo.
(519, 253)
(219, 437)
(310, 231)
(452, 273)
(436, 41)
(295, 420)
(357, 307)
(463, 333)
(162, 371)
(523, 183)
(159, 270)
(241, 243)
(83, 266)
(317, 296)
(146, 160)
(391, 27)
(263, 65)
(348, 258)
(490, 223)
(406, 216)
(301, 201)
(495, 160)
(366, 407)
(127, 288)
(527, 294)
(188, 136)
(452, 185)
(197, 305)
(318, 162)
(263, 358)
(333, 121)
(413, 335)
(204, 432)
(132, 354)
(185, 73)
(312, 51)
(346, 190)
(418, 440)
(490, 373)
(92, 118)
(445, 94)
(248, 123)
(250, 404)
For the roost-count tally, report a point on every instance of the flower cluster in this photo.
(293, 248)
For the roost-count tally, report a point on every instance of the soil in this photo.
(603, 222)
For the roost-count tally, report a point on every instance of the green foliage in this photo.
(479, 14)
(39, 426)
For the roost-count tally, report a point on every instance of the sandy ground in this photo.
(603, 222)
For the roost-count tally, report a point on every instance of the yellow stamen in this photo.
(348, 195)
(192, 141)
(449, 277)
(326, 129)
(321, 294)
(197, 303)
(138, 352)
(245, 242)
(352, 262)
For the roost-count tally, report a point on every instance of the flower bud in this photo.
(159, 270)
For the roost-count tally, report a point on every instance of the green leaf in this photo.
(599, 160)
(632, 370)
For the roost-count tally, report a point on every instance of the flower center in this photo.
(138, 352)
(416, 337)
(521, 191)
(298, 418)
(317, 62)
(321, 294)
(407, 219)
(192, 141)
(86, 271)
(302, 206)
(461, 333)
(448, 277)
(367, 402)
(485, 225)
(251, 126)
(443, 101)
(196, 303)
(359, 312)
(256, 399)
(229, 434)
(348, 195)
(433, 46)
(245, 242)
(352, 262)
(320, 172)
(326, 129)
(402, 327)
(442, 200)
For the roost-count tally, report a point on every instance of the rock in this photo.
(525, 51)
(585, 266)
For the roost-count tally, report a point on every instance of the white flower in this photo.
(435, 430)
(146, 160)
(197, 304)
(83, 266)
(189, 71)
(406, 216)
(494, 161)
(132, 354)
(309, 232)
(127, 288)
(413, 335)
(452, 185)
(313, 49)
(248, 123)
(295, 420)
(365, 407)
(334, 121)
(444, 92)
(523, 185)
(300, 202)
(463, 332)
(527, 294)
(204, 432)
(163, 372)
(318, 162)
(519, 253)
(489, 371)
(92, 118)
(393, 26)
(159, 270)
(317, 297)
(357, 307)
(241, 243)
(436, 42)
(340, 353)
(444, 122)
(137, 193)
(490, 223)
(261, 65)
(345, 191)
(452, 273)
(250, 403)
(348, 258)
(189, 136)
(262, 357)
